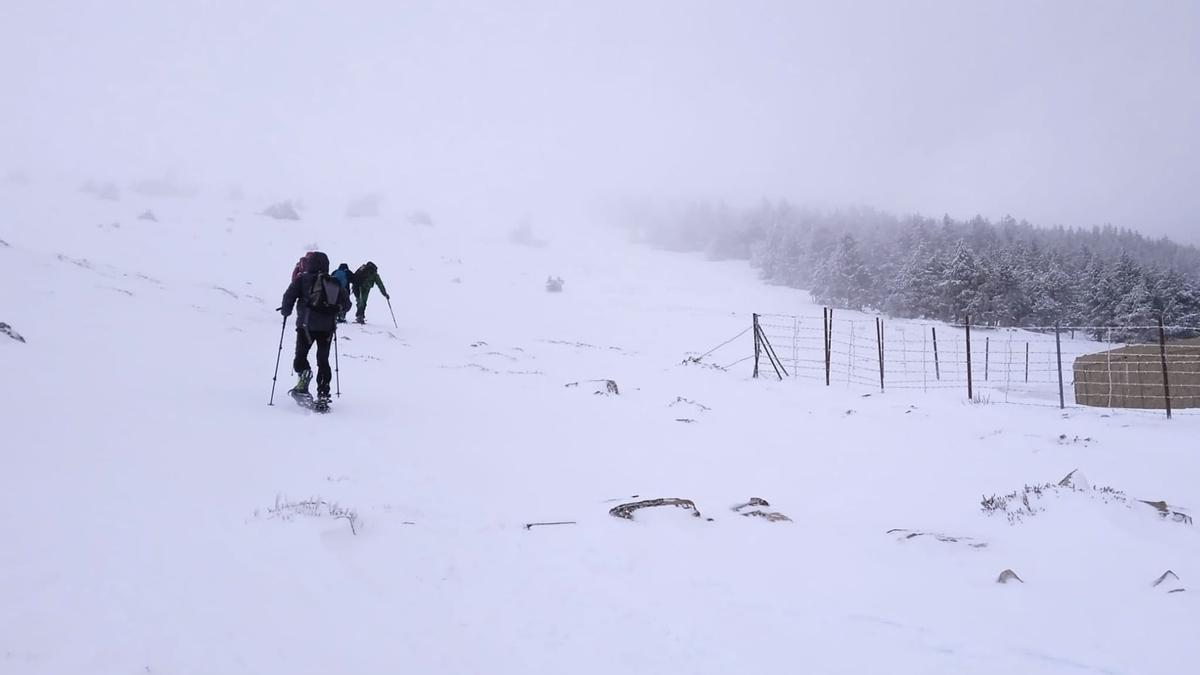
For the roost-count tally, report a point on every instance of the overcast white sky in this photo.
(1073, 112)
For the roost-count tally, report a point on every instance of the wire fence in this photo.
(1063, 366)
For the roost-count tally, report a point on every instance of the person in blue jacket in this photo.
(343, 276)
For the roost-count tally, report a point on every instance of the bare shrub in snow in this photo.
(313, 507)
(698, 361)
(1028, 501)
(679, 400)
(148, 215)
(554, 284)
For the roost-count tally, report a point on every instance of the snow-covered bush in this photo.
(285, 210)
(420, 217)
(523, 235)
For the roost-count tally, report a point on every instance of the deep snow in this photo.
(141, 465)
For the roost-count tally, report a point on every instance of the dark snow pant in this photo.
(360, 302)
(304, 341)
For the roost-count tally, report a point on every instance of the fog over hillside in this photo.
(1075, 113)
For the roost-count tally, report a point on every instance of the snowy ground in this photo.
(142, 465)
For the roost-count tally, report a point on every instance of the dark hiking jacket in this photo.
(366, 278)
(297, 293)
(343, 274)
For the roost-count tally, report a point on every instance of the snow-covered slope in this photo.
(150, 501)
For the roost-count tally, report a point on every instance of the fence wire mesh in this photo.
(1011, 365)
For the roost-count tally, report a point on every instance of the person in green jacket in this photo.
(361, 283)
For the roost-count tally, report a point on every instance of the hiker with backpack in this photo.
(364, 279)
(317, 298)
(343, 276)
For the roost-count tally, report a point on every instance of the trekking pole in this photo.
(337, 374)
(275, 377)
(389, 301)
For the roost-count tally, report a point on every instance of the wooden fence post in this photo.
(1162, 350)
(1062, 401)
(970, 382)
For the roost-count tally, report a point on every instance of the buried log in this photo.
(1008, 575)
(1168, 511)
(771, 516)
(530, 526)
(626, 510)
(1171, 581)
(906, 535)
(8, 330)
(610, 387)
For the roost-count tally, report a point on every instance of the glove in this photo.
(285, 311)
(386, 296)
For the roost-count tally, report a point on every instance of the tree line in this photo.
(1004, 273)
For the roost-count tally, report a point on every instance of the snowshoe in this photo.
(302, 399)
(321, 405)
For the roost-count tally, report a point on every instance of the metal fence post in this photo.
(1062, 401)
(937, 367)
(879, 345)
(757, 344)
(970, 382)
(987, 357)
(827, 320)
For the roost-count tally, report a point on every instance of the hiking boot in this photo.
(302, 385)
(360, 319)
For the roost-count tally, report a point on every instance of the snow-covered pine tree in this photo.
(961, 285)
(1135, 314)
